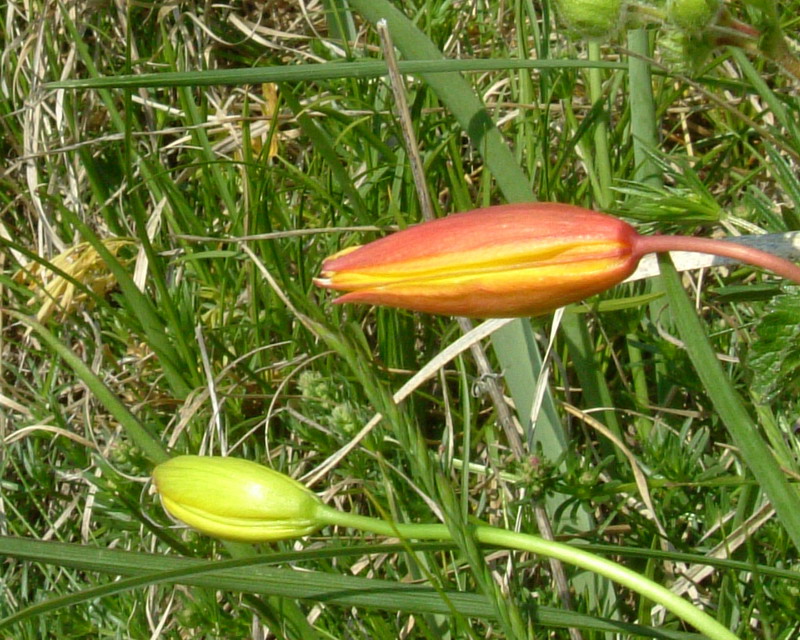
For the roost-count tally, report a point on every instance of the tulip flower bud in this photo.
(512, 260)
(509, 261)
(236, 499)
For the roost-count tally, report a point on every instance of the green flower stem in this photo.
(605, 196)
(550, 549)
(775, 46)
(646, 14)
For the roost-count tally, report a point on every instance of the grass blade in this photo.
(137, 432)
(313, 72)
(247, 576)
(729, 406)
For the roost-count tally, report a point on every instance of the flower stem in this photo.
(742, 253)
(780, 52)
(550, 549)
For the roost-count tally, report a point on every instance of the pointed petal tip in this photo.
(339, 254)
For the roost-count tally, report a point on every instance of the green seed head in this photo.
(236, 499)
(692, 15)
(595, 19)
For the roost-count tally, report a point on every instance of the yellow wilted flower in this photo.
(270, 92)
(261, 131)
(81, 263)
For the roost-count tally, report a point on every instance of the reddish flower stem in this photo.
(660, 244)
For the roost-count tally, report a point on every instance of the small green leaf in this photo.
(775, 357)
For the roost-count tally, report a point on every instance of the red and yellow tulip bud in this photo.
(236, 499)
(509, 261)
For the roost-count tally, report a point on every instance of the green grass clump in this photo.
(202, 331)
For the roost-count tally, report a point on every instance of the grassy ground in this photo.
(165, 238)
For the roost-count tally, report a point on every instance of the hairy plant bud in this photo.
(692, 15)
(595, 19)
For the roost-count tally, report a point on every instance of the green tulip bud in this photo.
(692, 15)
(592, 18)
(236, 499)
